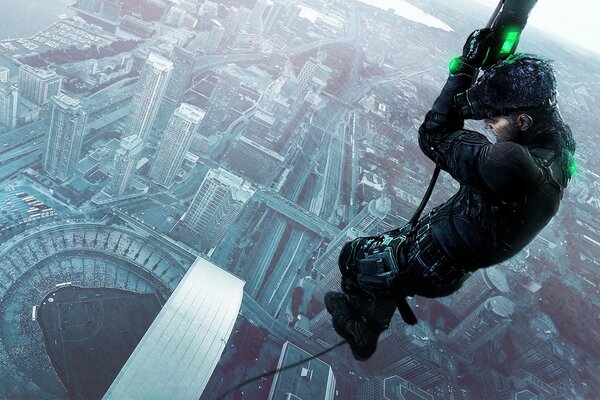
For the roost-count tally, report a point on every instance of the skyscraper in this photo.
(9, 105)
(217, 204)
(482, 285)
(150, 90)
(275, 14)
(214, 37)
(487, 321)
(312, 72)
(183, 67)
(175, 143)
(65, 134)
(225, 90)
(390, 388)
(125, 163)
(38, 85)
(256, 18)
(4, 74)
(312, 379)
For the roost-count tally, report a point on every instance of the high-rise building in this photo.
(183, 67)
(391, 388)
(482, 285)
(486, 322)
(275, 15)
(225, 90)
(65, 135)
(125, 164)
(38, 85)
(149, 92)
(175, 16)
(243, 17)
(4, 74)
(215, 35)
(312, 73)
(9, 105)
(217, 204)
(312, 379)
(92, 6)
(175, 143)
(256, 18)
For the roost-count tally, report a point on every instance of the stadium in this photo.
(84, 255)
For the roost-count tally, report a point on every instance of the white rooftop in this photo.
(190, 113)
(159, 62)
(180, 350)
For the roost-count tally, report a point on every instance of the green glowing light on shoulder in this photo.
(455, 65)
(512, 36)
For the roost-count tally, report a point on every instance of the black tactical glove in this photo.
(477, 47)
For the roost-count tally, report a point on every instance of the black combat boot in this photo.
(360, 335)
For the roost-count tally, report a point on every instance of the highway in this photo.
(263, 253)
(296, 213)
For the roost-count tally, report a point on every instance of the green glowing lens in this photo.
(455, 65)
(509, 42)
(572, 167)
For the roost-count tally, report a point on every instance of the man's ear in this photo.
(524, 121)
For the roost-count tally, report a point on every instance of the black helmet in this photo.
(522, 82)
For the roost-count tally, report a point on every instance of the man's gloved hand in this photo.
(477, 47)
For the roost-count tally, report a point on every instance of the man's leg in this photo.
(358, 316)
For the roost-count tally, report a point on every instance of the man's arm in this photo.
(441, 136)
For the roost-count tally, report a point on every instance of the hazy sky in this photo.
(573, 20)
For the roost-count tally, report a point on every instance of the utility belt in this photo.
(383, 265)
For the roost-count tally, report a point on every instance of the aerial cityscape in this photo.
(178, 177)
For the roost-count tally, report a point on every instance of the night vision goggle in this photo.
(470, 107)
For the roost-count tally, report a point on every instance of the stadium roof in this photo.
(182, 347)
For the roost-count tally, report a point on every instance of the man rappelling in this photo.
(509, 189)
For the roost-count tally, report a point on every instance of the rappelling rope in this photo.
(281, 369)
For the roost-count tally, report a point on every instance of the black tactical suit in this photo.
(509, 191)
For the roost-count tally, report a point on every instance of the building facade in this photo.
(149, 93)
(38, 85)
(217, 204)
(175, 143)
(125, 163)
(65, 135)
(9, 105)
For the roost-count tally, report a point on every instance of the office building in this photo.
(391, 388)
(256, 17)
(225, 90)
(488, 321)
(38, 85)
(9, 105)
(149, 93)
(313, 74)
(255, 161)
(312, 379)
(175, 143)
(4, 74)
(217, 205)
(64, 138)
(125, 164)
(482, 285)
(275, 15)
(215, 35)
(183, 67)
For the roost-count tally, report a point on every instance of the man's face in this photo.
(503, 127)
